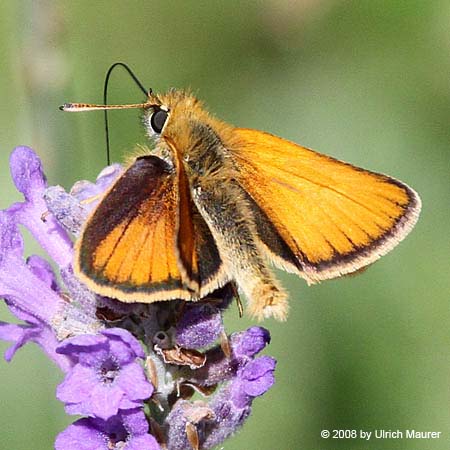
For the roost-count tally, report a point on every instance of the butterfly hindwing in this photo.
(196, 246)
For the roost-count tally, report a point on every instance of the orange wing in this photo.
(129, 247)
(318, 216)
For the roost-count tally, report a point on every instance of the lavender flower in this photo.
(26, 171)
(97, 341)
(199, 326)
(106, 376)
(125, 431)
(228, 409)
(30, 292)
(232, 405)
(68, 209)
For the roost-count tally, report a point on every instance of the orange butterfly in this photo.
(211, 203)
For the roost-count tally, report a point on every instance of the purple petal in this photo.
(23, 315)
(176, 426)
(128, 428)
(67, 209)
(252, 380)
(232, 403)
(107, 176)
(26, 171)
(27, 174)
(219, 368)
(85, 392)
(11, 332)
(133, 382)
(199, 326)
(134, 421)
(47, 340)
(90, 357)
(94, 356)
(47, 232)
(83, 190)
(227, 422)
(19, 334)
(17, 282)
(41, 335)
(105, 401)
(126, 404)
(81, 435)
(78, 409)
(250, 342)
(11, 242)
(78, 385)
(114, 428)
(83, 343)
(118, 336)
(145, 442)
(79, 293)
(43, 270)
(258, 375)
(29, 293)
(27, 336)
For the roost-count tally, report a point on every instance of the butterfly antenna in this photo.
(105, 99)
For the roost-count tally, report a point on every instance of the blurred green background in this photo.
(366, 81)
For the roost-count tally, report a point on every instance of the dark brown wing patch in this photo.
(127, 249)
(145, 243)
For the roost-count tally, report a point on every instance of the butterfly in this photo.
(210, 204)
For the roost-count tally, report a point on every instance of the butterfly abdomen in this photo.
(225, 210)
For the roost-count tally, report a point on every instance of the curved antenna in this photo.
(105, 101)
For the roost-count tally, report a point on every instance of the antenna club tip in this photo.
(65, 107)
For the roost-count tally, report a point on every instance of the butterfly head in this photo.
(168, 114)
(180, 126)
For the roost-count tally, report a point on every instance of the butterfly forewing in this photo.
(129, 247)
(334, 218)
(128, 244)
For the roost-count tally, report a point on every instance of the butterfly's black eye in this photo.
(158, 119)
